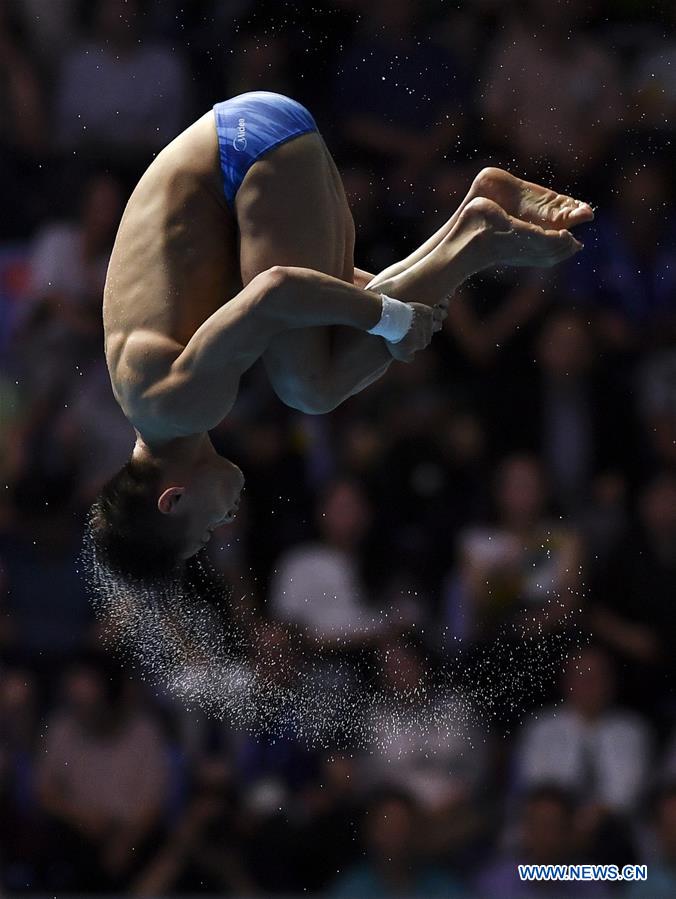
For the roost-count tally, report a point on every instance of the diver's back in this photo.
(174, 261)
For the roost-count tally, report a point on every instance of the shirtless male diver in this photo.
(237, 245)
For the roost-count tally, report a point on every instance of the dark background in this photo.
(506, 505)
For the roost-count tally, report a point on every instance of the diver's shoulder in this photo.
(139, 363)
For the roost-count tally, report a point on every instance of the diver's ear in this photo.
(170, 500)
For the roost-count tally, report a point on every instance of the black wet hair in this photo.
(130, 548)
(154, 606)
(128, 531)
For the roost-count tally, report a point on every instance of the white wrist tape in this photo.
(395, 320)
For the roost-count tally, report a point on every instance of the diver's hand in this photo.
(427, 320)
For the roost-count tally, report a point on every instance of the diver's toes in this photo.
(581, 212)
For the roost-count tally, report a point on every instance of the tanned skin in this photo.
(196, 294)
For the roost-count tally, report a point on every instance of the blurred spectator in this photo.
(485, 321)
(398, 94)
(523, 569)
(60, 329)
(118, 93)
(69, 259)
(49, 609)
(53, 27)
(669, 764)
(661, 882)
(435, 453)
(260, 62)
(394, 862)
(627, 270)
(276, 758)
(654, 92)
(462, 29)
(93, 431)
(420, 736)
(276, 763)
(102, 778)
(589, 745)
(318, 585)
(545, 836)
(21, 95)
(568, 412)
(329, 808)
(657, 406)
(22, 833)
(18, 711)
(203, 846)
(633, 598)
(278, 454)
(15, 408)
(526, 111)
(22, 129)
(377, 241)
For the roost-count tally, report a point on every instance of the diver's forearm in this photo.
(279, 299)
(304, 298)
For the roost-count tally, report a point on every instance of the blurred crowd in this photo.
(516, 482)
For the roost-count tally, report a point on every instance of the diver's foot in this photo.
(507, 240)
(529, 202)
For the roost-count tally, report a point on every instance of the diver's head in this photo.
(199, 491)
(162, 506)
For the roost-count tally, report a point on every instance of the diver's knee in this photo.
(315, 401)
(311, 394)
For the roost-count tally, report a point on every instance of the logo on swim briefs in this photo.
(239, 143)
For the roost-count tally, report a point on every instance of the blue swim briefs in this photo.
(251, 125)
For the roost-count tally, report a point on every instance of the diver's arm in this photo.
(279, 299)
(198, 384)
(304, 298)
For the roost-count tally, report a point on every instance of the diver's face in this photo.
(211, 499)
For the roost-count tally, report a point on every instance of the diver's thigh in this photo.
(293, 211)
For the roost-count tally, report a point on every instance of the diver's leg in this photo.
(316, 369)
(292, 210)
(522, 199)
(483, 235)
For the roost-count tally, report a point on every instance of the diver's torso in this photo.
(175, 257)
